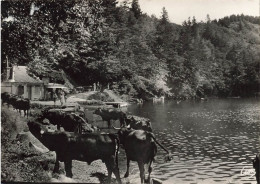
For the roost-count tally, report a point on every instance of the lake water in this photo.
(212, 141)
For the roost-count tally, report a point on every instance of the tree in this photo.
(96, 41)
(165, 18)
(14, 16)
(135, 8)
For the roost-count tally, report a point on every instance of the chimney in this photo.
(9, 72)
(11, 78)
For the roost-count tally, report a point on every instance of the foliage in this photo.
(104, 97)
(102, 42)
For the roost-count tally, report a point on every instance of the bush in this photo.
(19, 162)
(91, 102)
(104, 97)
(37, 106)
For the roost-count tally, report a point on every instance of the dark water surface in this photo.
(212, 142)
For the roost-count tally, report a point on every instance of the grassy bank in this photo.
(19, 161)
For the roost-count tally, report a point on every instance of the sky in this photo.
(180, 10)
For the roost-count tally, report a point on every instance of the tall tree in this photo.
(135, 7)
(165, 17)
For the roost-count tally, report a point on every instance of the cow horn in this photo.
(116, 128)
(41, 131)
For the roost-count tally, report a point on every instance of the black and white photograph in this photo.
(130, 91)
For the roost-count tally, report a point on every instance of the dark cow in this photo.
(22, 104)
(12, 100)
(83, 147)
(138, 123)
(256, 165)
(5, 97)
(17, 102)
(111, 114)
(71, 122)
(140, 146)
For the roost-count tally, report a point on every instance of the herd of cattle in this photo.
(18, 102)
(80, 140)
(85, 142)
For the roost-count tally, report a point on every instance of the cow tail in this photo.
(79, 128)
(151, 134)
(168, 157)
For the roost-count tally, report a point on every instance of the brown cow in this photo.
(18, 102)
(138, 123)
(111, 114)
(83, 147)
(140, 146)
(71, 122)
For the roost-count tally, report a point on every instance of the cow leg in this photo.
(141, 168)
(127, 168)
(112, 167)
(68, 168)
(116, 171)
(256, 165)
(24, 112)
(150, 169)
(109, 170)
(57, 165)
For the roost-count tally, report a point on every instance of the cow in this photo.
(22, 104)
(256, 165)
(5, 97)
(71, 122)
(140, 146)
(17, 102)
(88, 147)
(111, 114)
(138, 123)
(11, 100)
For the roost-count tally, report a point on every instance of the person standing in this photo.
(65, 96)
(54, 98)
(62, 98)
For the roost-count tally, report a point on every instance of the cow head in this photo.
(138, 123)
(123, 132)
(43, 133)
(36, 128)
(98, 111)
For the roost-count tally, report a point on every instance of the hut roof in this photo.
(21, 75)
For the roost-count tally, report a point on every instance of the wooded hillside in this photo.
(118, 44)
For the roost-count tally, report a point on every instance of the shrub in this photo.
(104, 97)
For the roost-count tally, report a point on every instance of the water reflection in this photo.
(211, 141)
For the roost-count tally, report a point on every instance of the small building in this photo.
(17, 81)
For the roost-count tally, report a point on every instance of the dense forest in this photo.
(90, 41)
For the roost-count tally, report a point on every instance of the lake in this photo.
(212, 141)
